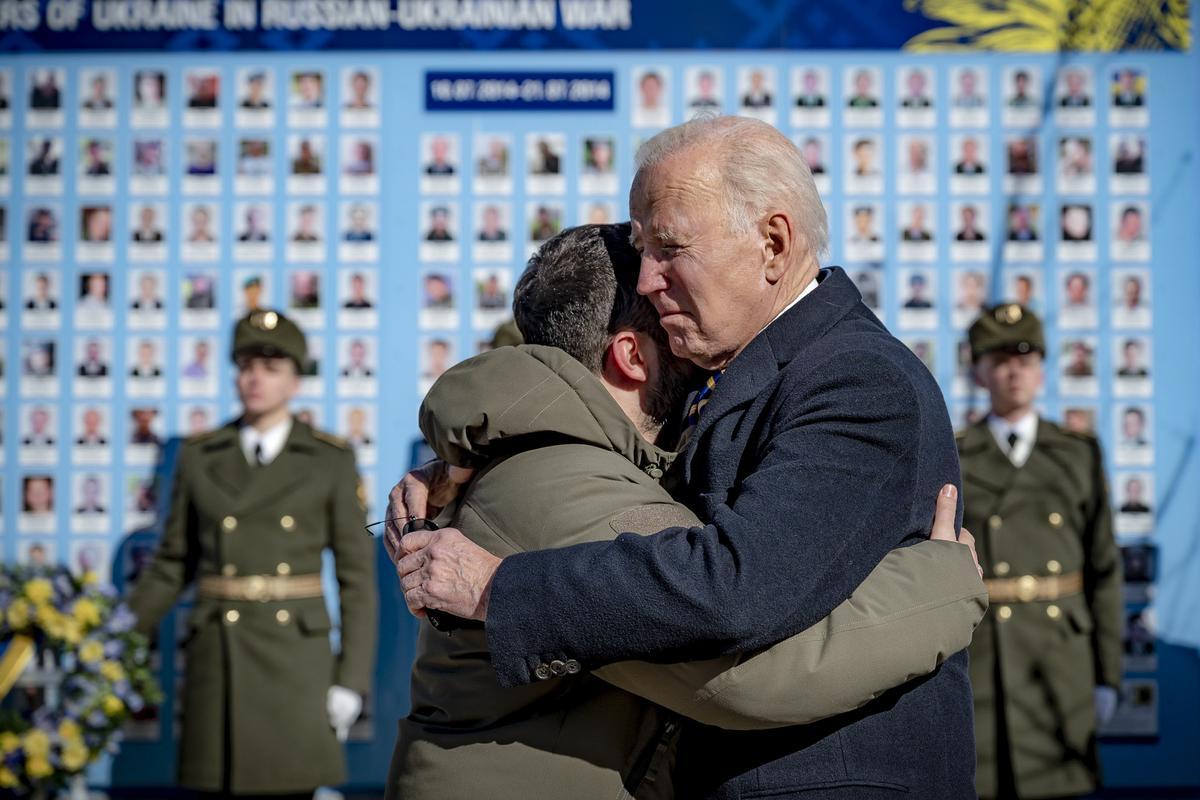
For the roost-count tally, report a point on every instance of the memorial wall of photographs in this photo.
(148, 207)
(152, 202)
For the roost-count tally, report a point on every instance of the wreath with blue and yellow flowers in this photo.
(102, 671)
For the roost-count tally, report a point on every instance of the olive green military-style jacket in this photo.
(568, 466)
(257, 673)
(1041, 660)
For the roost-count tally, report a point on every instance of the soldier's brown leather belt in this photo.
(1030, 588)
(260, 588)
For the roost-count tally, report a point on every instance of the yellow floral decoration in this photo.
(1046, 26)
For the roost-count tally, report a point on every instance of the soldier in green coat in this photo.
(253, 506)
(1045, 662)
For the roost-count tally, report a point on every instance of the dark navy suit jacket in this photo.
(823, 447)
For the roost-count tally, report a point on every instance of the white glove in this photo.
(1106, 703)
(343, 706)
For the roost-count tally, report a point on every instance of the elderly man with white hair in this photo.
(813, 448)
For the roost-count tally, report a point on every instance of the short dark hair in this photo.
(579, 289)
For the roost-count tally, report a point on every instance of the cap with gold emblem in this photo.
(269, 333)
(1010, 327)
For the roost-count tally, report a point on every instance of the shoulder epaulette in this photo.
(330, 439)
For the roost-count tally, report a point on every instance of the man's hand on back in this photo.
(422, 493)
(445, 571)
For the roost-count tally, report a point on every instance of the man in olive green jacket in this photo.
(253, 505)
(1046, 662)
(570, 458)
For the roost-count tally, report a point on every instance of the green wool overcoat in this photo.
(257, 673)
(1035, 665)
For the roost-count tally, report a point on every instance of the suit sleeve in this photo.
(175, 561)
(1102, 580)
(830, 495)
(354, 565)
(919, 606)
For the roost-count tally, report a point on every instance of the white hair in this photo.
(760, 168)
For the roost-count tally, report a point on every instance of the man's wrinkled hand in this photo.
(943, 523)
(445, 571)
(423, 492)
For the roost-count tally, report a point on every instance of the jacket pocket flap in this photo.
(314, 620)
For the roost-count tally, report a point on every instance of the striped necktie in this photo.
(702, 398)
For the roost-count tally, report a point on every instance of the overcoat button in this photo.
(229, 523)
(287, 522)
(1004, 612)
(558, 667)
(232, 616)
(282, 616)
(542, 672)
(995, 521)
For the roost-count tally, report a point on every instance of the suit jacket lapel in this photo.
(281, 476)
(755, 368)
(990, 467)
(228, 468)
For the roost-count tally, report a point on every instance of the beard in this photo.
(677, 378)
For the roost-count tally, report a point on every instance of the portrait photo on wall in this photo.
(202, 95)
(357, 290)
(96, 161)
(306, 90)
(149, 89)
(756, 92)
(255, 89)
(440, 154)
(969, 96)
(359, 85)
(704, 89)
(651, 107)
(97, 91)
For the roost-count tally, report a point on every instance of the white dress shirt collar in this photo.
(272, 440)
(1026, 430)
(812, 285)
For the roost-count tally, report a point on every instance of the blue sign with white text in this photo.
(519, 91)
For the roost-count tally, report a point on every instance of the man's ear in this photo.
(977, 373)
(779, 241)
(625, 362)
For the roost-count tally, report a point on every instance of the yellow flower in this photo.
(7, 778)
(89, 578)
(39, 590)
(112, 670)
(75, 756)
(37, 767)
(51, 621)
(18, 613)
(85, 612)
(91, 652)
(112, 705)
(69, 730)
(9, 741)
(36, 743)
(72, 631)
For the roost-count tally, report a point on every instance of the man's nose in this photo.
(651, 276)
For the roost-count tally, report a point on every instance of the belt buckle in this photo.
(256, 588)
(1027, 588)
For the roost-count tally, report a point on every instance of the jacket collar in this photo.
(777, 345)
(248, 486)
